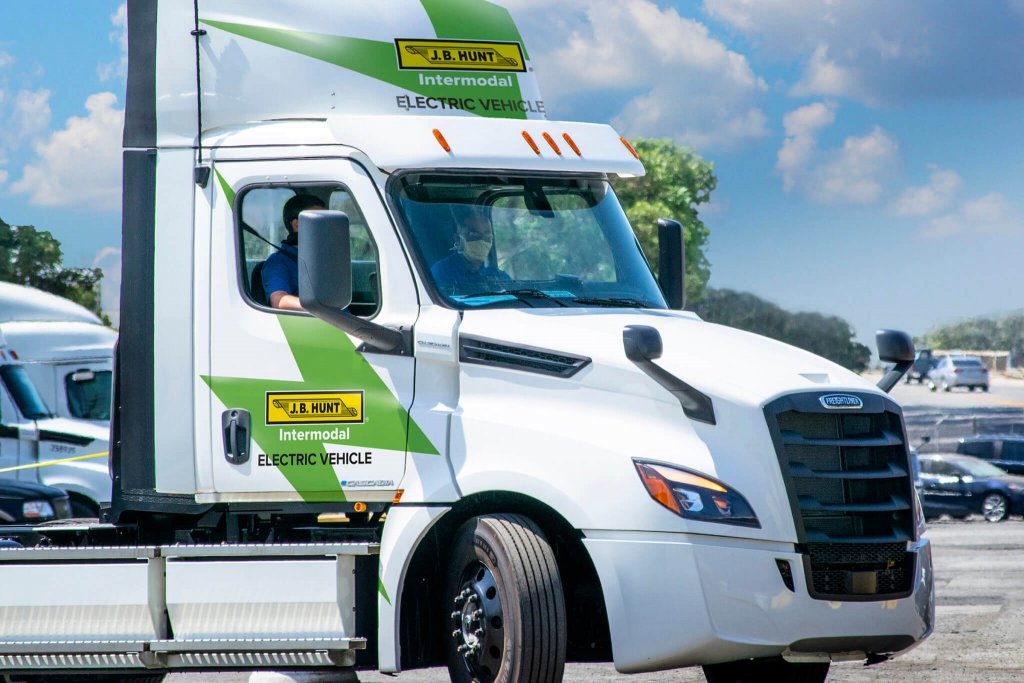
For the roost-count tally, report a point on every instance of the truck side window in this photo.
(262, 233)
(88, 394)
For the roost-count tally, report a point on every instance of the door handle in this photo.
(235, 426)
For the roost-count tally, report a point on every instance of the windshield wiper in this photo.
(521, 294)
(615, 302)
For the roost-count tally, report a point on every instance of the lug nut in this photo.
(456, 633)
(477, 614)
(479, 633)
(456, 614)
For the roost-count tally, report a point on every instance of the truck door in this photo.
(297, 410)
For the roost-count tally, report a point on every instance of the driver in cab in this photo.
(466, 268)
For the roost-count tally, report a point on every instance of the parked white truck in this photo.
(65, 349)
(490, 439)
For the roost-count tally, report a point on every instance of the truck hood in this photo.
(721, 361)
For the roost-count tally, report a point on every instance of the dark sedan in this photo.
(24, 502)
(959, 485)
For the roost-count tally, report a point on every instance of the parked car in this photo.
(25, 502)
(924, 361)
(1005, 451)
(958, 371)
(960, 485)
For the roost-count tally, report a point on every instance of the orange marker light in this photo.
(529, 141)
(658, 487)
(630, 148)
(441, 141)
(359, 507)
(572, 145)
(398, 496)
(551, 142)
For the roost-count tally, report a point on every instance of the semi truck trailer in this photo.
(478, 432)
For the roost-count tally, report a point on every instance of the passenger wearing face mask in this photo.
(466, 269)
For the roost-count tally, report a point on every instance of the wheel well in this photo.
(423, 603)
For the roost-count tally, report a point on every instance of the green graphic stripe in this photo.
(374, 59)
(383, 591)
(327, 360)
(472, 19)
(225, 188)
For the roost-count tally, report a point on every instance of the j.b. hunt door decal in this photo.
(337, 450)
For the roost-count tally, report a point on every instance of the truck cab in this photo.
(484, 394)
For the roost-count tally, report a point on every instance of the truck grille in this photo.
(848, 477)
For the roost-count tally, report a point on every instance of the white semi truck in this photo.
(488, 438)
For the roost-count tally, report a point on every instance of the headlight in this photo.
(36, 509)
(919, 513)
(695, 496)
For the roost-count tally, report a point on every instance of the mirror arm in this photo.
(893, 376)
(377, 337)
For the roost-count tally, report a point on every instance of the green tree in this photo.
(34, 258)
(678, 181)
(826, 335)
(1005, 333)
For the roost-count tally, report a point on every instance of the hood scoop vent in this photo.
(525, 358)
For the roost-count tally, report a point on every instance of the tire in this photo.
(946, 387)
(995, 507)
(931, 386)
(984, 387)
(81, 509)
(774, 669)
(509, 620)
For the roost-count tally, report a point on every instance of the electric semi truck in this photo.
(479, 432)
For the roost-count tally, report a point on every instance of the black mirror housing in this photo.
(894, 346)
(325, 277)
(672, 262)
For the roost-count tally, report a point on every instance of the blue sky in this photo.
(868, 152)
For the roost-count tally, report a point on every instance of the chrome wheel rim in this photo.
(994, 508)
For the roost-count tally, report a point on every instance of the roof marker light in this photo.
(630, 148)
(551, 142)
(441, 141)
(572, 145)
(529, 141)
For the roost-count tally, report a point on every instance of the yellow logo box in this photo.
(314, 407)
(460, 55)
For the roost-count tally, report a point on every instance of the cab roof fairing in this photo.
(393, 143)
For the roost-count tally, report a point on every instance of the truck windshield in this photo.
(24, 393)
(508, 241)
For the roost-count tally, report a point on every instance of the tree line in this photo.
(1001, 333)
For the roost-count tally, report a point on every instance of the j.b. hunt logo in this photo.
(314, 407)
(460, 55)
(841, 402)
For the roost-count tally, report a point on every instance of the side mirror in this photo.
(894, 346)
(325, 261)
(325, 279)
(672, 262)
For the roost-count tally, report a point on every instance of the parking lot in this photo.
(980, 624)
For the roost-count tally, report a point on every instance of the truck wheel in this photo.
(508, 623)
(774, 669)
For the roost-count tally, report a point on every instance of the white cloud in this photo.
(992, 214)
(79, 165)
(852, 174)
(23, 118)
(938, 194)
(879, 51)
(802, 126)
(118, 69)
(6, 59)
(649, 70)
(109, 260)
(3, 176)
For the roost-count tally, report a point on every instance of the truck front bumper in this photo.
(678, 600)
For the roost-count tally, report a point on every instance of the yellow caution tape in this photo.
(54, 462)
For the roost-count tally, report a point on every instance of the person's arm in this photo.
(276, 285)
(285, 301)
